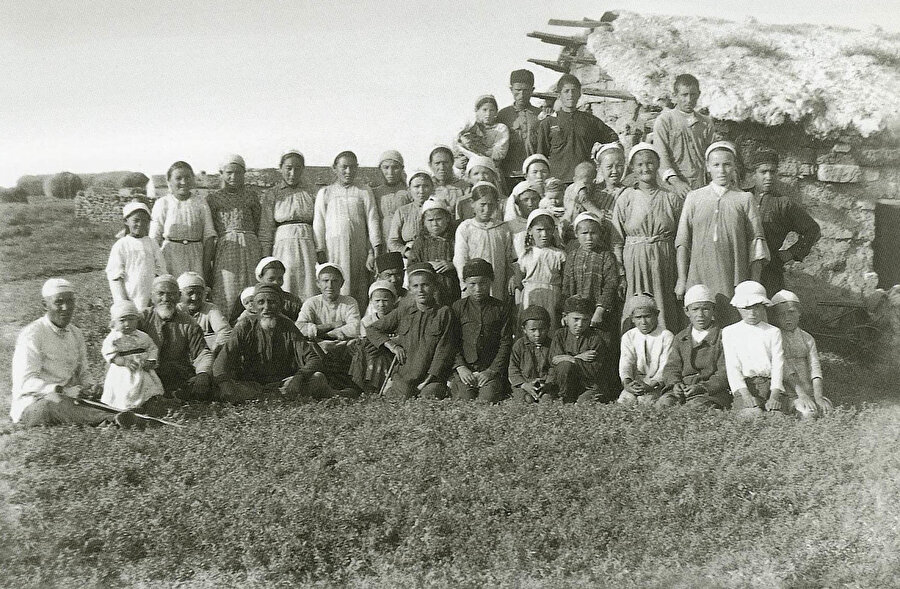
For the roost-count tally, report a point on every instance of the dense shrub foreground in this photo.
(376, 494)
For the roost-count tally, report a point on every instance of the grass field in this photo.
(434, 494)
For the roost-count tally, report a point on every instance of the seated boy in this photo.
(370, 365)
(644, 351)
(208, 316)
(330, 319)
(754, 356)
(577, 355)
(529, 362)
(486, 337)
(695, 371)
(426, 341)
(802, 371)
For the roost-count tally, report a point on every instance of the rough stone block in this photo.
(832, 231)
(871, 174)
(879, 157)
(806, 170)
(788, 168)
(839, 173)
(841, 147)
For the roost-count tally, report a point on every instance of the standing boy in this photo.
(522, 120)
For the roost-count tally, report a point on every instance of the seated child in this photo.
(485, 137)
(247, 301)
(695, 371)
(193, 302)
(754, 356)
(592, 272)
(435, 245)
(580, 190)
(540, 267)
(577, 355)
(644, 351)
(135, 259)
(370, 365)
(330, 319)
(524, 198)
(529, 361)
(481, 361)
(131, 380)
(802, 371)
(390, 267)
(487, 238)
(427, 337)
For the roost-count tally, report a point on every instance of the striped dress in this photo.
(236, 218)
(286, 227)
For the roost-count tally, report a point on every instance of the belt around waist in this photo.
(279, 224)
(757, 379)
(647, 238)
(184, 241)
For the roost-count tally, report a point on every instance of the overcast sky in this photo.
(111, 86)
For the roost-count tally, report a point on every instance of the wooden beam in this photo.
(545, 95)
(605, 93)
(553, 65)
(557, 39)
(584, 24)
(585, 60)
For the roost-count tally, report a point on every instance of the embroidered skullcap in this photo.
(247, 295)
(763, 156)
(552, 185)
(749, 293)
(165, 279)
(785, 296)
(391, 154)
(232, 158)
(639, 301)
(537, 157)
(55, 286)
(290, 152)
(481, 183)
(322, 267)
(265, 263)
(643, 146)
(478, 267)
(265, 287)
(534, 313)
(123, 309)
(600, 148)
(132, 207)
(728, 145)
(578, 304)
(436, 204)
(420, 268)
(485, 98)
(698, 293)
(521, 77)
(189, 279)
(586, 217)
(420, 172)
(383, 285)
(525, 186)
(389, 261)
(479, 161)
(537, 213)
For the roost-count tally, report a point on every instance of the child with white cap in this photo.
(271, 270)
(644, 351)
(392, 193)
(135, 259)
(435, 244)
(695, 370)
(247, 302)
(215, 326)
(132, 355)
(540, 266)
(754, 355)
(369, 366)
(802, 371)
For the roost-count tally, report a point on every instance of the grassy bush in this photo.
(134, 180)
(15, 194)
(31, 185)
(63, 185)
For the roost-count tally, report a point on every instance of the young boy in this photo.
(579, 191)
(682, 136)
(370, 365)
(247, 302)
(481, 362)
(193, 302)
(485, 237)
(695, 371)
(802, 370)
(529, 361)
(754, 356)
(577, 355)
(389, 267)
(426, 341)
(644, 351)
(553, 202)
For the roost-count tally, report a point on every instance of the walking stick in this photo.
(105, 407)
(387, 377)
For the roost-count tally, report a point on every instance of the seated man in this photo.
(49, 367)
(184, 360)
(426, 342)
(208, 316)
(267, 353)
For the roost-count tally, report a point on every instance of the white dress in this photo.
(490, 241)
(137, 262)
(182, 226)
(129, 387)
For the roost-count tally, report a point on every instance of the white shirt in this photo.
(698, 335)
(137, 262)
(46, 357)
(644, 356)
(753, 350)
(316, 311)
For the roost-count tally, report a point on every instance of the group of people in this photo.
(533, 260)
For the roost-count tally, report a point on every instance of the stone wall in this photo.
(104, 203)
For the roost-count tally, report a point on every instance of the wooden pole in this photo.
(553, 65)
(618, 94)
(584, 24)
(556, 39)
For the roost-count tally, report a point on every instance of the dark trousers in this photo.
(574, 386)
(66, 412)
(403, 390)
(491, 392)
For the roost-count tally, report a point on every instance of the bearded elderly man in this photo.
(266, 353)
(49, 366)
(185, 361)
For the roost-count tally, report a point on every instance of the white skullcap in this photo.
(189, 279)
(749, 293)
(421, 172)
(322, 267)
(525, 186)
(721, 145)
(382, 285)
(232, 158)
(133, 206)
(483, 183)
(639, 301)
(479, 161)
(698, 293)
(586, 217)
(785, 296)
(537, 157)
(123, 309)
(247, 295)
(165, 279)
(261, 266)
(643, 146)
(539, 213)
(436, 203)
(55, 286)
(600, 148)
(291, 152)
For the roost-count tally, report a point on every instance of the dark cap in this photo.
(521, 77)
(265, 287)
(478, 267)
(763, 156)
(579, 304)
(420, 268)
(389, 261)
(535, 313)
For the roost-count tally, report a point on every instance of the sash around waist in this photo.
(636, 239)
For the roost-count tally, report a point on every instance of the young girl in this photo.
(236, 214)
(407, 221)
(286, 226)
(435, 245)
(536, 169)
(182, 224)
(485, 237)
(393, 193)
(347, 227)
(541, 266)
(135, 259)
(610, 160)
(486, 137)
(131, 379)
(479, 169)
